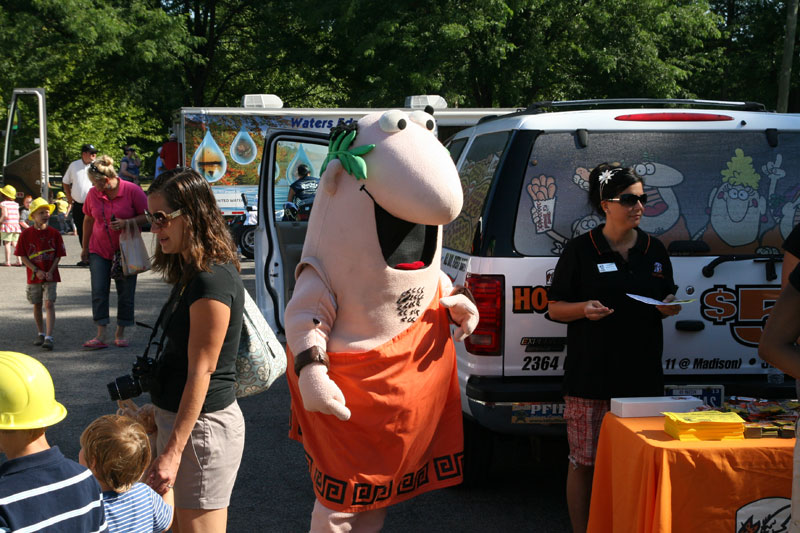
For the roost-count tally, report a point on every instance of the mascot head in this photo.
(387, 186)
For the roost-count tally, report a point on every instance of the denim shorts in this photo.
(210, 459)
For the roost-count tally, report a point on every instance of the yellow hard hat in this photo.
(9, 191)
(39, 203)
(61, 194)
(27, 398)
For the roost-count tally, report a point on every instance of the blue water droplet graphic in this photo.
(208, 160)
(243, 149)
(299, 158)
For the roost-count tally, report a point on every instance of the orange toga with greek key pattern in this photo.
(405, 433)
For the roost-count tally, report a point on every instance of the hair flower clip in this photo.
(605, 177)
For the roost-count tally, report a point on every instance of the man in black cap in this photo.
(77, 184)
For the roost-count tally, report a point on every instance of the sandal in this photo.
(120, 343)
(95, 344)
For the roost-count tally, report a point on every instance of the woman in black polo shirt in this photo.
(614, 342)
(200, 426)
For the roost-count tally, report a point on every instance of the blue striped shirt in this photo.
(139, 510)
(47, 491)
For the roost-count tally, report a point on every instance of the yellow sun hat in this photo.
(27, 397)
(9, 191)
(40, 203)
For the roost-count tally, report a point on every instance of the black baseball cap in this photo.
(88, 148)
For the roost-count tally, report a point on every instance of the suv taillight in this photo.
(488, 293)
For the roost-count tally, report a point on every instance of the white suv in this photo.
(723, 193)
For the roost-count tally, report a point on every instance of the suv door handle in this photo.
(689, 325)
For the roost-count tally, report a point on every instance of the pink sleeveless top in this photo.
(11, 221)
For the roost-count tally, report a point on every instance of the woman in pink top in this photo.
(9, 222)
(110, 205)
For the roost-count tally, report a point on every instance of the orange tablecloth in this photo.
(646, 481)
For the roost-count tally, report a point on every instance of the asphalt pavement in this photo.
(525, 491)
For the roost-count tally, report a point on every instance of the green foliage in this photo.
(116, 71)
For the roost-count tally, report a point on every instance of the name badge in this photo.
(607, 267)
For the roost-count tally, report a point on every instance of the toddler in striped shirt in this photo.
(116, 449)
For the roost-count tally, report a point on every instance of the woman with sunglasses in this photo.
(200, 426)
(614, 343)
(110, 206)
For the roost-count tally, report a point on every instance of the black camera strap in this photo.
(174, 306)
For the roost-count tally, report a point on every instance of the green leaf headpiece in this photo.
(339, 148)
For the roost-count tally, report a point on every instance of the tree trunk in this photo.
(784, 78)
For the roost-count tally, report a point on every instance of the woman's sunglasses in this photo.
(159, 218)
(629, 200)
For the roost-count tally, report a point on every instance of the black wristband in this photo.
(315, 354)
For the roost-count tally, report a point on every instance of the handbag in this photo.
(261, 358)
(135, 258)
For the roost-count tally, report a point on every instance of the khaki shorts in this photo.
(35, 292)
(210, 459)
(8, 237)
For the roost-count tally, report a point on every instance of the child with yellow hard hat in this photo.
(39, 487)
(9, 221)
(40, 247)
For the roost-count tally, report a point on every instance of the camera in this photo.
(140, 379)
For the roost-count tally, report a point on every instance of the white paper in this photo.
(651, 301)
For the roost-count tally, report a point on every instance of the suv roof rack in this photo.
(539, 107)
(745, 106)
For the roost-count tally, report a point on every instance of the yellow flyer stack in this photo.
(704, 425)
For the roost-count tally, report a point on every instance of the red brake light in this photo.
(488, 293)
(674, 117)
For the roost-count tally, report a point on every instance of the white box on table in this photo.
(653, 405)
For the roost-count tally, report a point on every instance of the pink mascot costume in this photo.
(375, 398)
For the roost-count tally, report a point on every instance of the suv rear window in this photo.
(477, 174)
(731, 190)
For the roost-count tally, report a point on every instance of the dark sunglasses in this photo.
(95, 169)
(629, 200)
(159, 218)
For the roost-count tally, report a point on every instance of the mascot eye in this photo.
(641, 169)
(733, 193)
(743, 195)
(650, 168)
(423, 119)
(393, 121)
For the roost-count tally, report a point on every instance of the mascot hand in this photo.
(320, 393)
(463, 312)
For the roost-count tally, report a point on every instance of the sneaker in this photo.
(83, 263)
(39, 340)
(47, 344)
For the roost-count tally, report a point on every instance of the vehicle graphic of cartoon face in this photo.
(736, 206)
(662, 210)
(736, 212)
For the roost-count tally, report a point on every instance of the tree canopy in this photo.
(116, 71)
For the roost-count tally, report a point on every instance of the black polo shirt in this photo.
(619, 355)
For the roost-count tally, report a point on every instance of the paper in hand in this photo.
(652, 301)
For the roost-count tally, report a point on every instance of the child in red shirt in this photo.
(41, 248)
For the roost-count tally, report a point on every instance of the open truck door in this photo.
(25, 158)
(279, 240)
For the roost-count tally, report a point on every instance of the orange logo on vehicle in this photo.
(744, 308)
(530, 299)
